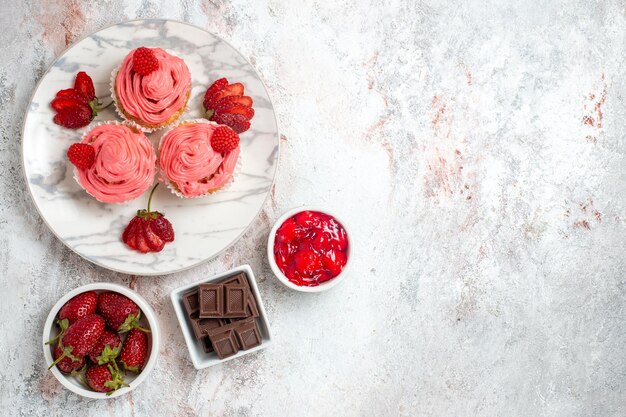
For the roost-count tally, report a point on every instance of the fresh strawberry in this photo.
(66, 364)
(80, 338)
(76, 107)
(120, 312)
(106, 349)
(144, 61)
(214, 88)
(82, 155)
(237, 122)
(104, 378)
(134, 351)
(148, 231)
(74, 117)
(224, 139)
(82, 305)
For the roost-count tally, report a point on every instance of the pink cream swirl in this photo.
(188, 160)
(124, 166)
(155, 97)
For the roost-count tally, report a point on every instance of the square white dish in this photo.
(199, 358)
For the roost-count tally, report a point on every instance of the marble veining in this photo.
(199, 225)
(477, 151)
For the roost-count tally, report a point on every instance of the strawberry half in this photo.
(148, 231)
(84, 85)
(226, 104)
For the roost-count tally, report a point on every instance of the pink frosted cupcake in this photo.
(123, 164)
(151, 88)
(198, 157)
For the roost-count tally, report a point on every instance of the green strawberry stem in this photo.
(96, 106)
(108, 354)
(131, 323)
(67, 352)
(151, 193)
(64, 324)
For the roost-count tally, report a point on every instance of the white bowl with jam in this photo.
(309, 249)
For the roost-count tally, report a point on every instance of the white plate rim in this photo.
(93, 261)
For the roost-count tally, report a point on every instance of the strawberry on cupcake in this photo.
(198, 157)
(151, 88)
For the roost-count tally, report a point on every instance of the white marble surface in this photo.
(477, 150)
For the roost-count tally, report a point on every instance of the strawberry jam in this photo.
(310, 248)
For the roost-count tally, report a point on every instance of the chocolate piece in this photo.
(202, 326)
(224, 343)
(207, 346)
(248, 334)
(190, 301)
(235, 300)
(242, 279)
(211, 300)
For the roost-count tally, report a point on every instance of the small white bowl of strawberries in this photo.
(101, 340)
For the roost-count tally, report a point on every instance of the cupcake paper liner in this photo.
(109, 122)
(163, 178)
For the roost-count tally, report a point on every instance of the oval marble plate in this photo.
(204, 226)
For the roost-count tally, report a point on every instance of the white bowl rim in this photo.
(145, 309)
(278, 273)
(181, 316)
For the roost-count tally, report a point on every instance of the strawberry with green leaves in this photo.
(80, 338)
(148, 231)
(106, 349)
(104, 378)
(134, 351)
(76, 107)
(120, 312)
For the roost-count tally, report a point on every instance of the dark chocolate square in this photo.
(211, 299)
(190, 301)
(242, 279)
(235, 300)
(224, 343)
(207, 346)
(248, 335)
(201, 327)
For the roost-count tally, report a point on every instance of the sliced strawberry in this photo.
(235, 89)
(163, 228)
(84, 85)
(74, 100)
(237, 122)
(142, 244)
(155, 242)
(228, 101)
(214, 88)
(74, 117)
(127, 232)
(132, 234)
(70, 92)
(245, 111)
